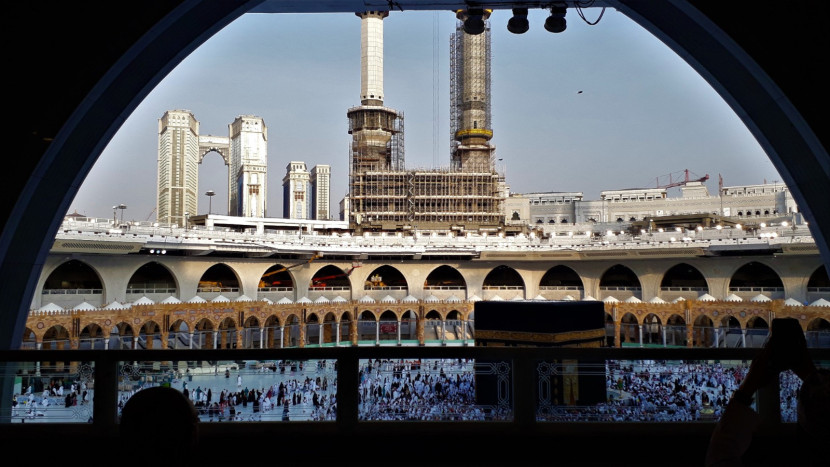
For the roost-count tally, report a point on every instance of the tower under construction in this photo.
(383, 195)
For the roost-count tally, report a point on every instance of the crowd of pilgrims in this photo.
(295, 397)
(444, 389)
(429, 390)
(659, 391)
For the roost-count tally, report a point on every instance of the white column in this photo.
(282, 335)
(320, 334)
(399, 332)
(640, 333)
(717, 337)
(443, 332)
(261, 336)
(664, 335)
(215, 339)
(743, 338)
(190, 346)
(377, 332)
(337, 333)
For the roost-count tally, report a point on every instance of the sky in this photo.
(597, 107)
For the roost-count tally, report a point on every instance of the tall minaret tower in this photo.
(470, 123)
(372, 125)
(377, 131)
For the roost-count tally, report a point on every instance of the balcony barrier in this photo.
(530, 398)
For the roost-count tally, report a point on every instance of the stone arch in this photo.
(729, 332)
(277, 278)
(562, 278)
(445, 277)
(346, 320)
(388, 326)
(757, 330)
(218, 279)
(29, 341)
(703, 332)
(683, 280)
(366, 330)
(610, 337)
(272, 330)
(149, 335)
(629, 329)
(152, 278)
(755, 277)
(73, 274)
(312, 329)
(91, 338)
(620, 282)
(122, 336)
(56, 338)
(652, 329)
(291, 331)
(676, 331)
(203, 334)
(409, 325)
(251, 333)
(330, 277)
(178, 335)
(228, 334)
(503, 279)
(385, 278)
(818, 333)
(329, 329)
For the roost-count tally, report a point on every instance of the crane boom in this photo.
(685, 180)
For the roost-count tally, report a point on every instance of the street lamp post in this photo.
(210, 194)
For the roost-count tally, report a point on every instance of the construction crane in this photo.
(317, 282)
(686, 179)
(262, 283)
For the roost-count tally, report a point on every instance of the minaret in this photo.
(471, 129)
(377, 131)
(372, 125)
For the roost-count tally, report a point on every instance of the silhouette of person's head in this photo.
(161, 418)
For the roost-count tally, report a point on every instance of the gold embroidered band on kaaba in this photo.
(546, 337)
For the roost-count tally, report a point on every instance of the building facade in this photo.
(178, 167)
(295, 191)
(321, 192)
(248, 174)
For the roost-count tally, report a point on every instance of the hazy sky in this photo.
(642, 112)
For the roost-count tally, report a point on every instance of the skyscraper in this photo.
(295, 193)
(321, 192)
(178, 167)
(247, 177)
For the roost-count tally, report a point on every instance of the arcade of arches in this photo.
(220, 314)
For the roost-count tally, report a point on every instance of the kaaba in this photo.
(544, 324)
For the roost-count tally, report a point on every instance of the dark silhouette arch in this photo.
(73, 274)
(218, 278)
(503, 276)
(684, 277)
(150, 278)
(561, 277)
(755, 275)
(619, 276)
(385, 278)
(445, 277)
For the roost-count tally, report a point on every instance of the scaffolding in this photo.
(470, 102)
(427, 199)
(466, 196)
